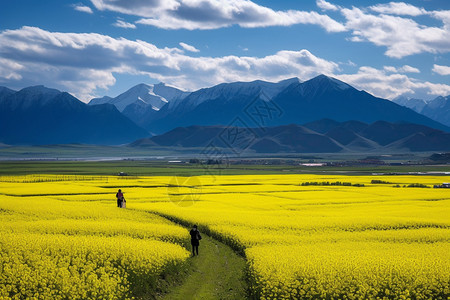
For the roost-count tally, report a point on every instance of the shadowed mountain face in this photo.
(38, 115)
(324, 97)
(288, 138)
(219, 104)
(324, 136)
(296, 103)
(437, 109)
(5, 92)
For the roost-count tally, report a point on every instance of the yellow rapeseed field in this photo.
(304, 236)
(371, 241)
(65, 239)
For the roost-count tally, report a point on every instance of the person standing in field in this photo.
(195, 239)
(120, 198)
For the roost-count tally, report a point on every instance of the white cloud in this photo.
(408, 69)
(83, 8)
(9, 70)
(324, 5)
(398, 8)
(213, 14)
(392, 25)
(350, 63)
(402, 36)
(404, 69)
(123, 24)
(441, 70)
(188, 47)
(443, 15)
(385, 84)
(142, 8)
(82, 62)
(390, 69)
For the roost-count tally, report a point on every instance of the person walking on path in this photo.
(195, 239)
(120, 198)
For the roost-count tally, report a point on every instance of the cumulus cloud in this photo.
(398, 8)
(188, 47)
(83, 8)
(82, 62)
(9, 70)
(443, 15)
(441, 70)
(402, 36)
(393, 25)
(408, 69)
(324, 5)
(390, 69)
(213, 14)
(385, 84)
(123, 24)
(404, 69)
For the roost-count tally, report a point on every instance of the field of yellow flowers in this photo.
(337, 237)
(63, 238)
(304, 236)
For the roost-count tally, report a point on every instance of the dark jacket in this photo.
(195, 237)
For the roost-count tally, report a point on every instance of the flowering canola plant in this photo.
(372, 241)
(65, 239)
(369, 240)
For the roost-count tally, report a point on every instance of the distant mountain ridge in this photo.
(219, 104)
(298, 103)
(155, 96)
(323, 136)
(142, 100)
(39, 115)
(437, 109)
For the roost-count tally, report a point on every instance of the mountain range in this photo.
(437, 109)
(38, 115)
(289, 102)
(323, 136)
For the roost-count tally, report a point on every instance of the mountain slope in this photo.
(288, 138)
(292, 101)
(415, 104)
(219, 104)
(5, 92)
(38, 115)
(349, 136)
(324, 97)
(438, 109)
(142, 99)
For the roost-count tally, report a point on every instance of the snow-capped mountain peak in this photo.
(415, 104)
(266, 90)
(156, 96)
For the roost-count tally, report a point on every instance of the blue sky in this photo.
(103, 47)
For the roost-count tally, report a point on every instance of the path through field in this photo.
(216, 273)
